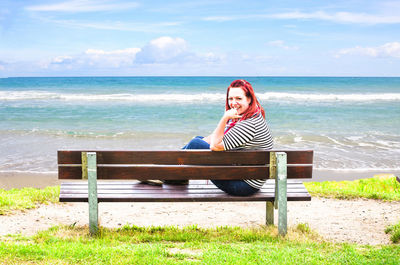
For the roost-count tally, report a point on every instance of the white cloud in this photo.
(224, 18)
(162, 50)
(62, 60)
(113, 25)
(337, 17)
(161, 56)
(281, 44)
(115, 59)
(94, 58)
(390, 49)
(84, 6)
(341, 17)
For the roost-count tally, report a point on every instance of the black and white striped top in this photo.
(250, 134)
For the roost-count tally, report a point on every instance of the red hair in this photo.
(254, 106)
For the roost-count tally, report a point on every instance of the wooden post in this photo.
(92, 193)
(270, 213)
(84, 165)
(272, 175)
(282, 192)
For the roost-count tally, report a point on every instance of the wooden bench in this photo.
(276, 166)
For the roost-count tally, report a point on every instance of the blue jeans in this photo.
(233, 187)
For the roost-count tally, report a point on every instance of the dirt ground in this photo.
(353, 221)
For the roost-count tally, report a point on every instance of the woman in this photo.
(242, 127)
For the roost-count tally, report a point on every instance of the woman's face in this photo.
(238, 100)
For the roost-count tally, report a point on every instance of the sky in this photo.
(199, 38)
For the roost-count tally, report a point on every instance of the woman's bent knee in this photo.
(235, 187)
(197, 143)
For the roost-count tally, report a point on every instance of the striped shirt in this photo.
(250, 134)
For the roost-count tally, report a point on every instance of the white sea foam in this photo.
(39, 95)
(183, 97)
(330, 97)
(360, 169)
(39, 171)
(297, 139)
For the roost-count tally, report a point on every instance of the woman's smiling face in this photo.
(237, 100)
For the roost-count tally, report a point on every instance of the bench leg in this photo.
(92, 193)
(270, 213)
(282, 192)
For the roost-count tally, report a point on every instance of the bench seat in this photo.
(197, 191)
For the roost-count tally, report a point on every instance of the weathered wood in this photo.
(133, 185)
(269, 213)
(282, 189)
(182, 172)
(272, 165)
(84, 165)
(273, 174)
(92, 186)
(79, 190)
(212, 197)
(134, 192)
(187, 157)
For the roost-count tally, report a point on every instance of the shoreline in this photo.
(10, 180)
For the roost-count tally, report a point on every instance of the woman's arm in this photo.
(218, 134)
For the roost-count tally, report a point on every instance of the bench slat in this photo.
(180, 198)
(182, 172)
(68, 193)
(187, 157)
(188, 191)
(137, 186)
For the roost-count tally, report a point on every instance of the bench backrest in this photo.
(183, 164)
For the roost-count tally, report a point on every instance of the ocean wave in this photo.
(329, 97)
(359, 169)
(187, 97)
(35, 95)
(27, 171)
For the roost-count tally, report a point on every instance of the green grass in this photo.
(26, 198)
(379, 187)
(190, 245)
(394, 230)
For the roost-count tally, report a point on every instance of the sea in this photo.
(351, 123)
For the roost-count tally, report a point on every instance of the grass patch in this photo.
(190, 245)
(26, 198)
(379, 187)
(394, 231)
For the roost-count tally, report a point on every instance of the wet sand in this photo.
(41, 180)
(21, 180)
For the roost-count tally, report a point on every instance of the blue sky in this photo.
(230, 38)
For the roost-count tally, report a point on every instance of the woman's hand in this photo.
(232, 114)
(218, 134)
